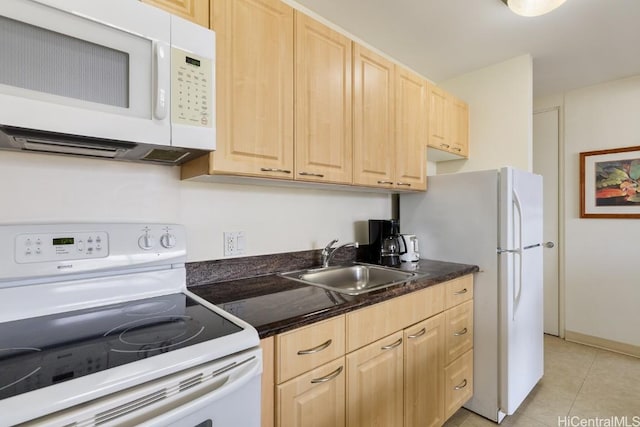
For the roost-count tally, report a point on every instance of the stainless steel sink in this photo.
(353, 279)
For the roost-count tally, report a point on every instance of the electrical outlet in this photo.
(234, 243)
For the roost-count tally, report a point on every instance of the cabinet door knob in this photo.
(390, 346)
(275, 170)
(419, 334)
(462, 385)
(319, 175)
(329, 377)
(462, 332)
(315, 349)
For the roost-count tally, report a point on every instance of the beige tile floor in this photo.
(579, 381)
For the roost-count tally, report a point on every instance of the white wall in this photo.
(45, 188)
(602, 285)
(500, 110)
(601, 280)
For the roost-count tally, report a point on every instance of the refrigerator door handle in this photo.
(516, 295)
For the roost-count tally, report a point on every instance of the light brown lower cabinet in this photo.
(407, 361)
(424, 373)
(314, 399)
(375, 384)
(458, 383)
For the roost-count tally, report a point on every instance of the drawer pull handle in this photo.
(458, 149)
(462, 332)
(445, 145)
(319, 175)
(329, 377)
(462, 292)
(385, 182)
(315, 349)
(405, 183)
(462, 385)
(275, 170)
(390, 346)
(419, 334)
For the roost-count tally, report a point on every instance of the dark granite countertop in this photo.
(273, 304)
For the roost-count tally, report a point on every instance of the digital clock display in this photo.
(192, 61)
(63, 241)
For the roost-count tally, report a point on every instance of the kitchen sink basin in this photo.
(353, 279)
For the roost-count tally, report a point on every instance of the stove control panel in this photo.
(31, 253)
(44, 247)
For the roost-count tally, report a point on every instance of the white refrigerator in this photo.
(492, 219)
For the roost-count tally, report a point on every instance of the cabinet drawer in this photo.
(458, 383)
(372, 323)
(458, 291)
(459, 337)
(315, 398)
(305, 348)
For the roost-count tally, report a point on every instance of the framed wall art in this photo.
(610, 183)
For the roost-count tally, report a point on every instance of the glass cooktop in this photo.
(47, 350)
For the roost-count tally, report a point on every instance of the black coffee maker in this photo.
(384, 242)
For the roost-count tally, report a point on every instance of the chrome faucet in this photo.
(329, 251)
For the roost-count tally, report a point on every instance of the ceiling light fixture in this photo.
(532, 7)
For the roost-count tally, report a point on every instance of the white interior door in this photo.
(545, 163)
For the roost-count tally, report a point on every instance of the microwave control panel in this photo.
(44, 247)
(191, 89)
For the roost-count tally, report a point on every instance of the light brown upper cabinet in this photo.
(390, 125)
(459, 127)
(448, 125)
(438, 118)
(254, 90)
(323, 132)
(411, 131)
(296, 100)
(193, 10)
(373, 119)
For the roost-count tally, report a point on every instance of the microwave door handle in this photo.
(161, 71)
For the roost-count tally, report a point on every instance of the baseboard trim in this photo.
(618, 347)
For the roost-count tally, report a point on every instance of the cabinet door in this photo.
(315, 399)
(268, 382)
(411, 131)
(458, 383)
(373, 119)
(438, 119)
(424, 373)
(375, 384)
(323, 133)
(254, 88)
(459, 336)
(194, 10)
(304, 348)
(459, 127)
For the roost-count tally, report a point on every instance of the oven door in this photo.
(222, 393)
(86, 68)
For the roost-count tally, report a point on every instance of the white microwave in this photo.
(114, 79)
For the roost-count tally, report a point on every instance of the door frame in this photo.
(561, 215)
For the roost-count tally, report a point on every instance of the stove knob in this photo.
(146, 241)
(168, 240)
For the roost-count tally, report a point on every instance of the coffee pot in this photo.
(392, 246)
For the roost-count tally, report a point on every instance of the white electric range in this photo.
(97, 327)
